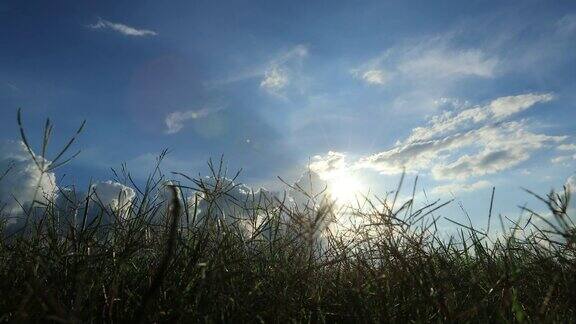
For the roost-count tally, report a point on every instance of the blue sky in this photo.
(466, 94)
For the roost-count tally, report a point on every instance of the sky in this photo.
(466, 95)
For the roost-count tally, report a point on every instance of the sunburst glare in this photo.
(344, 186)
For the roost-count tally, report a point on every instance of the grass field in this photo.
(158, 260)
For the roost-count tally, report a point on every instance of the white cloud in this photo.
(229, 201)
(562, 159)
(280, 70)
(421, 71)
(470, 143)
(330, 162)
(275, 79)
(460, 187)
(566, 147)
(112, 196)
(420, 62)
(497, 110)
(308, 195)
(297, 52)
(443, 61)
(21, 181)
(239, 205)
(454, 103)
(122, 29)
(507, 106)
(500, 149)
(376, 77)
(163, 202)
(571, 183)
(106, 202)
(525, 172)
(175, 120)
(310, 191)
(277, 74)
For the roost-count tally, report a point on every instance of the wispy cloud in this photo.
(175, 120)
(445, 62)
(571, 183)
(275, 79)
(566, 147)
(568, 152)
(563, 159)
(122, 28)
(280, 70)
(297, 52)
(566, 25)
(424, 60)
(275, 75)
(473, 142)
(372, 76)
(425, 69)
(495, 111)
(11, 86)
(460, 187)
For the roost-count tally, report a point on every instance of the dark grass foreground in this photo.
(394, 268)
(213, 272)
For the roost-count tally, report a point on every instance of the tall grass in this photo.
(391, 266)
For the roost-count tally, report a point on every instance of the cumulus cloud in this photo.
(21, 181)
(122, 29)
(308, 196)
(309, 192)
(330, 162)
(105, 203)
(166, 194)
(175, 120)
(239, 205)
(163, 202)
(460, 187)
(113, 197)
(111, 201)
(228, 201)
(491, 143)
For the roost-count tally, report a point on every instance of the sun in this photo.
(344, 186)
